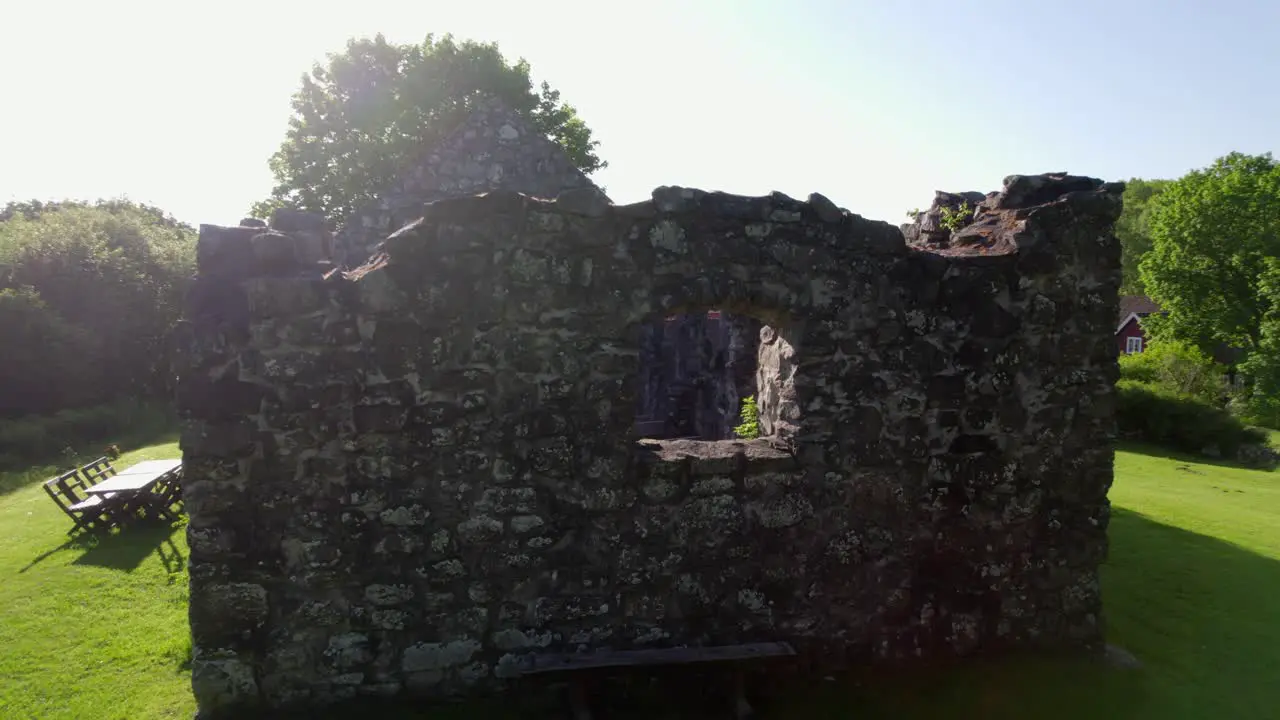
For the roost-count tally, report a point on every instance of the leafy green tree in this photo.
(48, 363)
(1260, 402)
(1178, 368)
(1215, 232)
(1133, 228)
(364, 115)
(91, 292)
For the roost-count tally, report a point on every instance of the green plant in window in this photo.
(750, 427)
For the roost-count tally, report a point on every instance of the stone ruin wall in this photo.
(697, 373)
(493, 149)
(407, 477)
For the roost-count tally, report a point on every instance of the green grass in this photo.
(100, 632)
(91, 630)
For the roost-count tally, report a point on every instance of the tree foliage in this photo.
(361, 117)
(1133, 228)
(1178, 368)
(88, 294)
(1215, 233)
(1156, 414)
(1260, 403)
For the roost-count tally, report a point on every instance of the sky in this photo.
(874, 104)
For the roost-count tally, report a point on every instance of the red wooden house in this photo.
(1130, 337)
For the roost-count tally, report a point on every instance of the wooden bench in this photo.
(604, 660)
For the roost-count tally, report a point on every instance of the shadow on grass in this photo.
(76, 542)
(1198, 613)
(126, 548)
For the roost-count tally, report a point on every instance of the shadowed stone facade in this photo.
(405, 478)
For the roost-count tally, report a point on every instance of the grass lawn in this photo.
(100, 631)
(90, 632)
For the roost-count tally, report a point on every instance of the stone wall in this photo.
(405, 478)
(494, 149)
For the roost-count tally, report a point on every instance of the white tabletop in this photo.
(135, 478)
(151, 466)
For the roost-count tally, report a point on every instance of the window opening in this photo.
(697, 371)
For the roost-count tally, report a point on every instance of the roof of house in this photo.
(1139, 305)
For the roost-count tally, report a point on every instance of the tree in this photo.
(1215, 233)
(1178, 368)
(88, 295)
(1261, 402)
(48, 364)
(360, 118)
(1133, 228)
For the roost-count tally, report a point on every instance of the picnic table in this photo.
(148, 467)
(146, 486)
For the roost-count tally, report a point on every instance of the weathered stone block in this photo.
(285, 296)
(225, 252)
(379, 293)
(221, 307)
(273, 252)
(289, 220)
(228, 614)
(426, 657)
(224, 439)
(380, 594)
(379, 418)
(508, 500)
(348, 650)
(479, 529)
(786, 511)
(222, 678)
(221, 399)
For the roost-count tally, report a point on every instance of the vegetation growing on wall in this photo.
(955, 219)
(750, 427)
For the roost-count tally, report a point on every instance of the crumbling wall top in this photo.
(494, 149)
